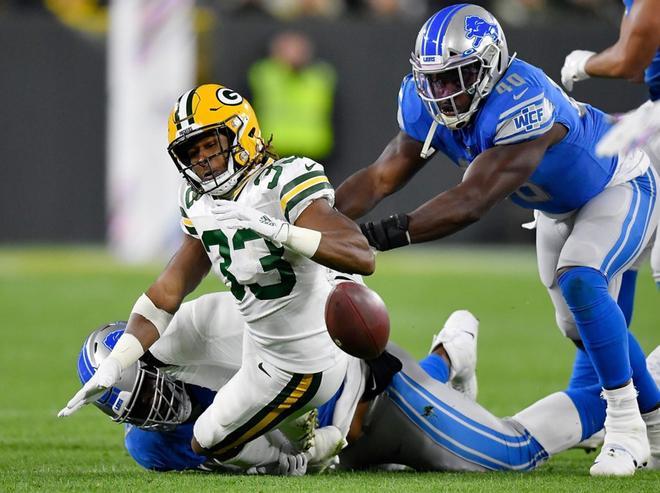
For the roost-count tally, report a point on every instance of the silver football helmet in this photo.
(144, 396)
(459, 50)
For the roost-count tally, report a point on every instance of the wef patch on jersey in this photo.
(530, 117)
(527, 119)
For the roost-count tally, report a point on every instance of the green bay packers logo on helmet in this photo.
(229, 97)
(212, 110)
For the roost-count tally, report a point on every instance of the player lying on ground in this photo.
(266, 227)
(437, 428)
(518, 135)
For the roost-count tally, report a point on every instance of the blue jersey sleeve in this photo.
(411, 115)
(518, 109)
(163, 450)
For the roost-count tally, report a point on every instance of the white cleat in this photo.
(613, 461)
(459, 339)
(626, 445)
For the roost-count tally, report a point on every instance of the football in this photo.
(357, 320)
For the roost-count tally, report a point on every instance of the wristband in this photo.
(302, 240)
(127, 350)
(157, 316)
(388, 233)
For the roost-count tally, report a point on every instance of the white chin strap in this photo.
(225, 186)
(427, 150)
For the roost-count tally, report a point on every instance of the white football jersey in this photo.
(280, 293)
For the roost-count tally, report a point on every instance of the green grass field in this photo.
(50, 299)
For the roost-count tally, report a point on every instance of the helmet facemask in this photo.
(440, 84)
(218, 184)
(156, 402)
(144, 396)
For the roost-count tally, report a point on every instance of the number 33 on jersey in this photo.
(260, 274)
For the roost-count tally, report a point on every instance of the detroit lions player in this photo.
(266, 228)
(635, 56)
(517, 134)
(437, 427)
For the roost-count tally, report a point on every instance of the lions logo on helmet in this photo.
(144, 396)
(477, 28)
(459, 50)
(212, 109)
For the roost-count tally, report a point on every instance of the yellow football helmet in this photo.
(212, 108)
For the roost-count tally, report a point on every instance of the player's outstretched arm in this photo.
(342, 245)
(320, 233)
(362, 191)
(148, 320)
(491, 177)
(181, 276)
(639, 39)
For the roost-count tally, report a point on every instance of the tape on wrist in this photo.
(303, 240)
(157, 316)
(127, 350)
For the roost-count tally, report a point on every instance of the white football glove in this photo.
(292, 464)
(106, 375)
(636, 128)
(573, 69)
(238, 216)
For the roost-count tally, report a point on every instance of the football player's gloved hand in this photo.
(387, 233)
(239, 216)
(573, 69)
(640, 127)
(106, 375)
(292, 464)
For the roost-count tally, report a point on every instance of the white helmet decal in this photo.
(229, 97)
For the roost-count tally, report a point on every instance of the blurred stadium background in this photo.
(88, 200)
(86, 103)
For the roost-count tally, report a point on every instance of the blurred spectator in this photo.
(293, 94)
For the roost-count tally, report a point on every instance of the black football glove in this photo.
(387, 233)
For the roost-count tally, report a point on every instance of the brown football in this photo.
(357, 320)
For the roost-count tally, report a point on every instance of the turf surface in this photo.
(51, 298)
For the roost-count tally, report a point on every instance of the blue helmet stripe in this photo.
(436, 27)
(427, 28)
(85, 368)
(450, 16)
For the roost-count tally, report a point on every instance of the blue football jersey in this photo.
(168, 450)
(652, 73)
(523, 105)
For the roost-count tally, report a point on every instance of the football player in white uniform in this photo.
(266, 227)
(437, 427)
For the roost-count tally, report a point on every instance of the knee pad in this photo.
(581, 286)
